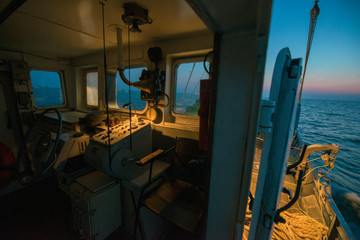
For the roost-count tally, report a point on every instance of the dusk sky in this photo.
(333, 70)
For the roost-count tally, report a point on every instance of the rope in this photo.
(300, 226)
(314, 159)
(297, 226)
(312, 171)
(301, 210)
(314, 13)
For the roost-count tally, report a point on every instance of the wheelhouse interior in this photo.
(74, 56)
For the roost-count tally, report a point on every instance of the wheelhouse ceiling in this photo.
(69, 28)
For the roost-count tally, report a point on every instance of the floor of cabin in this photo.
(43, 211)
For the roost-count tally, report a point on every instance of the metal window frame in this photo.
(176, 63)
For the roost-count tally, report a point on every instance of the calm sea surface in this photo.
(325, 122)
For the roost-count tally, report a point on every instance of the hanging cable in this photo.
(106, 88)
(314, 13)
(130, 137)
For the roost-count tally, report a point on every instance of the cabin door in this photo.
(277, 127)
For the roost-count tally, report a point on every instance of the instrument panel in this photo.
(119, 132)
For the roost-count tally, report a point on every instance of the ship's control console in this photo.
(122, 160)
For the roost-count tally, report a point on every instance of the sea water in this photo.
(338, 122)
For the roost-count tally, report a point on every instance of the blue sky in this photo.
(334, 68)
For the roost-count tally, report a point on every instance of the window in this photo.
(47, 88)
(187, 89)
(122, 89)
(92, 88)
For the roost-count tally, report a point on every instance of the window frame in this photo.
(179, 117)
(63, 88)
(137, 65)
(91, 70)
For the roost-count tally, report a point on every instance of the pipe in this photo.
(144, 85)
(122, 76)
(121, 58)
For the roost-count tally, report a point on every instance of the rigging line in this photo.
(130, 137)
(326, 173)
(106, 87)
(314, 159)
(182, 97)
(197, 84)
(313, 170)
(310, 218)
(314, 13)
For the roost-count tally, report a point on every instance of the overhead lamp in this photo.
(135, 16)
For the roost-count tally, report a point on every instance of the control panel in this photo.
(119, 132)
(123, 151)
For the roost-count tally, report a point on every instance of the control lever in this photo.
(292, 201)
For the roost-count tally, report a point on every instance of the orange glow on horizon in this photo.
(328, 84)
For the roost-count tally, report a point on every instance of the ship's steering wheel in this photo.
(38, 148)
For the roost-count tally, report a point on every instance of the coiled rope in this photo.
(297, 226)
